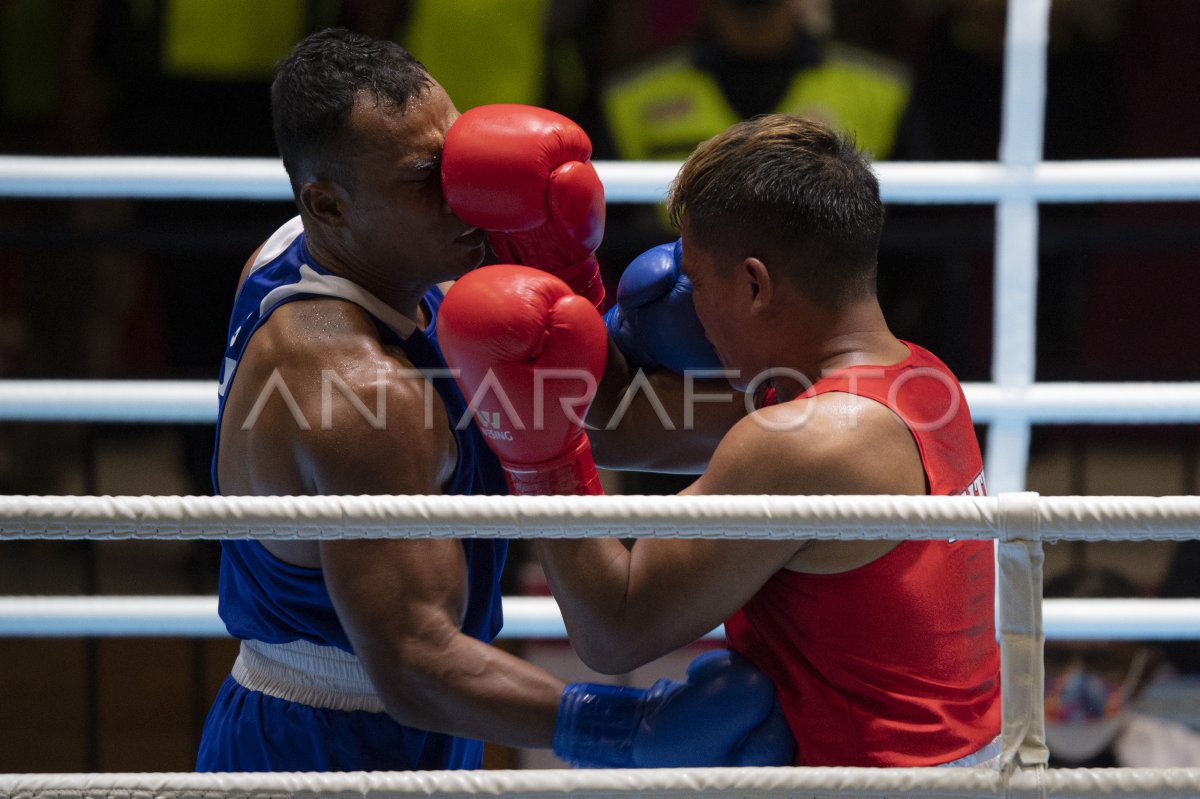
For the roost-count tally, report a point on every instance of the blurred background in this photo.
(120, 288)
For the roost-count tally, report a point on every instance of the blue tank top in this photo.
(261, 597)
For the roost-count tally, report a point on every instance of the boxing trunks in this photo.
(297, 698)
(894, 663)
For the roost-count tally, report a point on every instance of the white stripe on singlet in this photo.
(303, 672)
(987, 757)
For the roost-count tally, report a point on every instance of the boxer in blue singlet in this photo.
(283, 612)
(375, 654)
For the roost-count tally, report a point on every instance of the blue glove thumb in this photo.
(653, 322)
(769, 744)
(702, 721)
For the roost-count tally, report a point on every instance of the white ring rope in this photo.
(195, 402)
(532, 617)
(714, 783)
(624, 181)
(1023, 516)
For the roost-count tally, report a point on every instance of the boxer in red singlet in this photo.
(883, 653)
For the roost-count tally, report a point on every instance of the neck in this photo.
(400, 294)
(854, 335)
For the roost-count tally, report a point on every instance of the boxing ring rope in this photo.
(709, 783)
(530, 617)
(195, 402)
(958, 182)
(869, 517)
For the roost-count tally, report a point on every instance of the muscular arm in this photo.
(665, 423)
(624, 608)
(402, 601)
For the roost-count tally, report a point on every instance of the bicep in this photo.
(681, 589)
(389, 593)
(401, 603)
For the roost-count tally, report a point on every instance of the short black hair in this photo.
(317, 85)
(792, 189)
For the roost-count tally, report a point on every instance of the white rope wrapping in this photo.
(750, 517)
(741, 783)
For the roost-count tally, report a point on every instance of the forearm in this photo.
(461, 686)
(590, 580)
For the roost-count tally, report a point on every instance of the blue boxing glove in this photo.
(653, 322)
(724, 714)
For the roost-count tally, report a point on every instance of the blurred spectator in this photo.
(752, 57)
(748, 57)
(1092, 688)
(492, 51)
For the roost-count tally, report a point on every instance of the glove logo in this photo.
(489, 425)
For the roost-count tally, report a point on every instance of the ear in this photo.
(757, 283)
(324, 201)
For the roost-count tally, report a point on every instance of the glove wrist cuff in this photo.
(596, 725)
(584, 279)
(573, 472)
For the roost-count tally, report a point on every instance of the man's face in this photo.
(397, 216)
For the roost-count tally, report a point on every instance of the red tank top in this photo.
(894, 663)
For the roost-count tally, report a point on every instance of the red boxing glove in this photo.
(530, 354)
(524, 174)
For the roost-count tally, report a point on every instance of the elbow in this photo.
(612, 652)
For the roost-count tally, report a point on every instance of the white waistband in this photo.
(303, 672)
(987, 757)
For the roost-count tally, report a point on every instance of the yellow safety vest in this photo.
(665, 110)
(230, 39)
(482, 51)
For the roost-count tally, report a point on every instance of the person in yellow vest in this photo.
(749, 57)
(490, 51)
(754, 57)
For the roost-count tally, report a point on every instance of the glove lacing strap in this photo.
(574, 472)
(596, 725)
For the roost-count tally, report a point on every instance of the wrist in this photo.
(584, 278)
(573, 472)
(596, 725)
(623, 336)
(573, 264)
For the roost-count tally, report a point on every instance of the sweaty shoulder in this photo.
(321, 405)
(834, 443)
